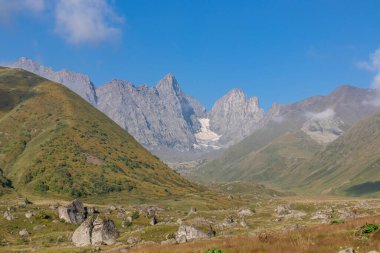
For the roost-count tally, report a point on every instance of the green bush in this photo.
(336, 222)
(369, 228)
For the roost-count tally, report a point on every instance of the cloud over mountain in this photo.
(87, 21)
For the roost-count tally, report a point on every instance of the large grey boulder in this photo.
(82, 235)
(187, 232)
(74, 213)
(104, 231)
(95, 232)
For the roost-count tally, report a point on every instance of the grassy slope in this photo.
(53, 143)
(351, 160)
(225, 168)
(349, 165)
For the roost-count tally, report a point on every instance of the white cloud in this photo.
(326, 114)
(373, 65)
(87, 21)
(8, 8)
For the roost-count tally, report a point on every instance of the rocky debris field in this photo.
(74, 226)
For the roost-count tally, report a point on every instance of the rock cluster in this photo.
(95, 232)
(73, 213)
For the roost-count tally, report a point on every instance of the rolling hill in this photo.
(54, 143)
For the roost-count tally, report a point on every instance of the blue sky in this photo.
(281, 51)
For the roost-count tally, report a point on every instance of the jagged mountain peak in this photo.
(168, 84)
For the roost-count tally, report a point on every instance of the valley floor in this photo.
(260, 223)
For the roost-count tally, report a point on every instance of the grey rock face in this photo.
(76, 82)
(82, 235)
(234, 116)
(157, 117)
(74, 213)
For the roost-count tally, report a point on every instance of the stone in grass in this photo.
(104, 231)
(28, 215)
(348, 250)
(186, 233)
(153, 221)
(23, 233)
(8, 215)
(133, 240)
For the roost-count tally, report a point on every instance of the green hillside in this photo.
(349, 165)
(236, 162)
(53, 143)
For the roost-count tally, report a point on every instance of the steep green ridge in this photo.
(235, 162)
(53, 143)
(349, 165)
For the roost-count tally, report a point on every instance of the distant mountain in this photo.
(234, 116)
(291, 136)
(54, 143)
(160, 116)
(165, 120)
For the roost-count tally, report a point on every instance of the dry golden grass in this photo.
(319, 239)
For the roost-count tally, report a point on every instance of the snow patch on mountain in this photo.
(206, 137)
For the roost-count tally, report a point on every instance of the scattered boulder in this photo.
(8, 215)
(74, 213)
(193, 210)
(151, 211)
(348, 250)
(24, 203)
(244, 224)
(23, 233)
(133, 240)
(186, 233)
(82, 235)
(228, 220)
(153, 221)
(282, 210)
(244, 212)
(104, 231)
(28, 215)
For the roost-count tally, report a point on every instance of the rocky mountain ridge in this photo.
(163, 118)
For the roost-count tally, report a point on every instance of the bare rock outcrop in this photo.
(95, 232)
